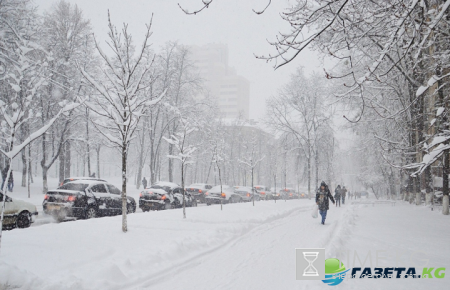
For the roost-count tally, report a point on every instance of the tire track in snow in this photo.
(193, 261)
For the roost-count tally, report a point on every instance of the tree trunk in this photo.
(61, 166)
(309, 176)
(30, 172)
(317, 168)
(24, 167)
(141, 163)
(170, 167)
(446, 155)
(88, 146)
(67, 157)
(182, 188)
(253, 190)
(124, 188)
(98, 160)
(445, 189)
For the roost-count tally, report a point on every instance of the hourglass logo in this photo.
(310, 264)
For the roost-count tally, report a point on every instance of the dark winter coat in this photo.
(322, 198)
(144, 183)
(337, 192)
(343, 192)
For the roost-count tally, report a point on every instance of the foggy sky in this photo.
(231, 22)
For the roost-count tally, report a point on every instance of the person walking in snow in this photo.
(144, 182)
(337, 195)
(322, 200)
(10, 182)
(343, 193)
(4, 173)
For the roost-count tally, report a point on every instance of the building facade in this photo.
(231, 91)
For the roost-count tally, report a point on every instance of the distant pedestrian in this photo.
(337, 195)
(144, 182)
(4, 173)
(92, 175)
(10, 182)
(322, 196)
(343, 193)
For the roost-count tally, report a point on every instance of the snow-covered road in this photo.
(241, 247)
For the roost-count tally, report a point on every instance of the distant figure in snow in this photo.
(92, 175)
(322, 196)
(343, 193)
(10, 181)
(337, 195)
(4, 173)
(144, 182)
(350, 195)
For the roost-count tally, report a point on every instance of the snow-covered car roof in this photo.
(225, 188)
(84, 178)
(90, 182)
(244, 188)
(197, 185)
(155, 190)
(171, 185)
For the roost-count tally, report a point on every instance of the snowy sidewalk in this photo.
(241, 247)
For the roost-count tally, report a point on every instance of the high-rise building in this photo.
(231, 91)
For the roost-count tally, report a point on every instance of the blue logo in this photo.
(334, 272)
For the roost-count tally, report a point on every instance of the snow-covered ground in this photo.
(241, 247)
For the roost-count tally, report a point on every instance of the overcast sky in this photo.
(231, 22)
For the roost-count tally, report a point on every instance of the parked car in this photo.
(288, 193)
(70, 179)
(264, 192)
(18, 213)
(164, 195)
(85, 199)
(247, 193)
(275, 194)
(198, 191)
(221, 195)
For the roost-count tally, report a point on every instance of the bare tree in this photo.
(123, 97)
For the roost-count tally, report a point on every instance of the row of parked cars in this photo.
(85, 198)
(167, 195)
(206, 193)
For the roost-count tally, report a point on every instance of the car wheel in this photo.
(167, 205)
(23, 220)
(91, 213)
(208, 204)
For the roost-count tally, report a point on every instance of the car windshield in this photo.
(74, 186)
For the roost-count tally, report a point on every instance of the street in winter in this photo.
(207, 144)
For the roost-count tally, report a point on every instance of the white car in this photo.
(18, 213)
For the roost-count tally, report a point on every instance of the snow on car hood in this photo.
(20, 205)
